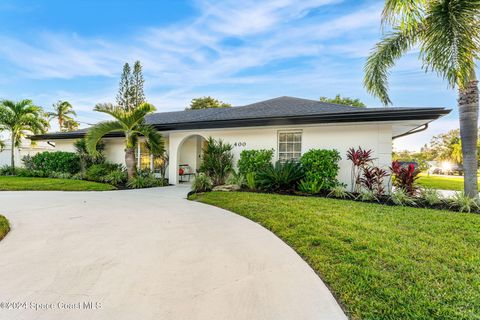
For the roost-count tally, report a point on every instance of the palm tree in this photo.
(131, 123)
(20, 118)
(448, 35)
(63, 111)
(2, 145)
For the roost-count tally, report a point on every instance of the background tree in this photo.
(344, 101)
(131, 123)
(63, 112)
(21, 118)
(447, 33)
(130, 92)
(206, 103)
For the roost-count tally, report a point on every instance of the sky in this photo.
(237, 51)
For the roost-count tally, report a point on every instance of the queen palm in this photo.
(21, 118)
(448, 35)
(63, 112)
(130, 123)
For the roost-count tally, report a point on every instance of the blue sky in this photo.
(237, 51)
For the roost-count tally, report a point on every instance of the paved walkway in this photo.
(148, 254)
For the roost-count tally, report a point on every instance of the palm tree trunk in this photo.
(131, 162)
(12, 155)
(468, 112)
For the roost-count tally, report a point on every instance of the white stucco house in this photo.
(26, 149)
(290, 126)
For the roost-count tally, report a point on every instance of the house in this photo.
(290, 126)
(26, 149)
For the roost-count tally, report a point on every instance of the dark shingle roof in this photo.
(281, 110)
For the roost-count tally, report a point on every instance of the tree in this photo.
(86, 159)
(63, 112)
(130, 92)
(130, 123)
(21, 118)
(344, 101)
(448, 35)
(206, 103)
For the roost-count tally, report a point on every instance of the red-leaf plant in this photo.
(360, 158)
(404, 177)
(373, 178)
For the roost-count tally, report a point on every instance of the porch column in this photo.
(172, 159)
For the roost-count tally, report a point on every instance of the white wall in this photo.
(21, 152)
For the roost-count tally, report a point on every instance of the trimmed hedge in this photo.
(321, 166)
(58, 161)
(254, 160)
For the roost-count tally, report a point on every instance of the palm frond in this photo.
(137, 115)
(108, 108)
(154, 139)
(383, 57)
(97, 132)
(402, 13)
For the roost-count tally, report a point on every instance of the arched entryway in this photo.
(189, 157)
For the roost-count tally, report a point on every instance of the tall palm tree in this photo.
(131, 123)
(63, 112)
(447, 33)
(21, 118)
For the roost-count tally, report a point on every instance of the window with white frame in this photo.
(289, 145)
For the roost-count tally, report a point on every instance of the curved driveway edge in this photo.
(148, 254)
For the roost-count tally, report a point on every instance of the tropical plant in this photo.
(400, 197)
(463, 203)
(346, 101)
(86, 159)
(99, 172)
(282, 176)
(447, 34)
(254, 160)
(310, 186)
(322, 166)
(144, 181)
(132, 125)
(207, 103)
(202, 183)
(116, 177)
(367, 195)
(404, 177)
(430, 196)
(58, 161)
(339, 191)
(373, 179)
(64, 113)
(7, 170)
(251, 181)
(217, 161)
(236, 179)
(359, 158)
(21, 118)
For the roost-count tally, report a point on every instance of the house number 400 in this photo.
(240, 144)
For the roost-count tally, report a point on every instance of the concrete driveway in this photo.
(148, 254)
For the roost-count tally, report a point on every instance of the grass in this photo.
(441, 182)
(381, 262)
(25, 183)
(4, 227)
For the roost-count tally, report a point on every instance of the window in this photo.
(144, 158)
(289, 145)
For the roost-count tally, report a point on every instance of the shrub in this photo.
(251, 181)
(85, 158)
(116, 177)
(463, 203)
(58, 161)
(282, 176)
(339, 191)
(217, 160)
(7, 170)
(321, 166)
(78, 176)
(359, 159)
(404, 177)
(28, 162)
(254, 160)
(310, 186)
(24, 172)
(60, 175)
(431, 196)
(372, 179)
(99, 172)
(367, 195)
(236, 179)
(401, 197)
(202, 183)
(144, 181)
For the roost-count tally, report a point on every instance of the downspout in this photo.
(416, 130)
(50, 144)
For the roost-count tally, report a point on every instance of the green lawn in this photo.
(24, 183)
(381, 262)
(442, 182)
(4, 227)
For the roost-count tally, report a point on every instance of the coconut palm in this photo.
(63, 112)
(131, 124)
(21, 118)
(448, 35)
